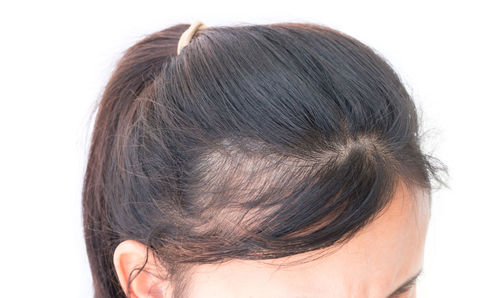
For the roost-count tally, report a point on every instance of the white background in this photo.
(57, 56)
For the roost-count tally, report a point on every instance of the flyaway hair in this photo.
(255, 142)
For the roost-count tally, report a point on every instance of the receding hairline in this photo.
(407, 194)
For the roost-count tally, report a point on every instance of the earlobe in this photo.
(128, 258)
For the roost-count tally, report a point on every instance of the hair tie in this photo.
(188, 34)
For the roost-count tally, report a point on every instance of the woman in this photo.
(279, 160)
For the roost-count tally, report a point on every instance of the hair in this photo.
(255, 142)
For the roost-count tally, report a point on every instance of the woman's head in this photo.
(255, 144)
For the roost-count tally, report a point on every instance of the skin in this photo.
(375, 263)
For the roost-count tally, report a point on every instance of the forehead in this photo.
(373, 263)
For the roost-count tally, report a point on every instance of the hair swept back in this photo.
(255, 142)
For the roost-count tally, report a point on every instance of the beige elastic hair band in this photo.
(188, 34)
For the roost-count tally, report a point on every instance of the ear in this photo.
(129, 256)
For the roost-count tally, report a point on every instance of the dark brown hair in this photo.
(255, 142)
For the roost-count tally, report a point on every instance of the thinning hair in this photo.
(255, 142)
